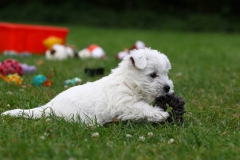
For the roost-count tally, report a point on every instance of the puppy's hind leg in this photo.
(142, 110)
(29, 113)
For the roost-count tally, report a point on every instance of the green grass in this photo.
(205, 72)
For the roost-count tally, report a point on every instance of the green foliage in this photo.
(205, 72)
(146, 14)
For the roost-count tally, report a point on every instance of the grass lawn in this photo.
(205, 72)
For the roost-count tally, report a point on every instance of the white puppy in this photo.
(125, 94)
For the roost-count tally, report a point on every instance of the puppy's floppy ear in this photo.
(138, 60)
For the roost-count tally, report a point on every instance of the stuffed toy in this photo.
(92, 51)
(60, 52)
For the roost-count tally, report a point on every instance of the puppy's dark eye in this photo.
(153, 75)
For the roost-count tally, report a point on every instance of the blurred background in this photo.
(184, 15)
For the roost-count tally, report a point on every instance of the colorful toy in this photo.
(51, 41)
(10, 66)
(14, 79)
(94, 51)
(41, 80)
(74, 81)
(28, 69)
(125, 52)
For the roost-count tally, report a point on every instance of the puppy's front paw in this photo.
(158, 116)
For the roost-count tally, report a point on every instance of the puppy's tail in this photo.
(29, 113)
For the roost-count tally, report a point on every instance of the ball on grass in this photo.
(10, 66)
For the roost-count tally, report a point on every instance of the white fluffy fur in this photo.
(125, 94)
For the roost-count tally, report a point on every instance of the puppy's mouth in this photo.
(166, 90)
(164, 93)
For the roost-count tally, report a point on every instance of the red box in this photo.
(28, 38)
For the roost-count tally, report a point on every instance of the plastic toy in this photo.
(176, 102)
(10, 66)
(93, 50)
(51, 41)
(28, 37)
(74, 81)
(14, 79)
(41, 80)
(28, 69)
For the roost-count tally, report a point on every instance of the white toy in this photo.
(94, 51)
(59, 52)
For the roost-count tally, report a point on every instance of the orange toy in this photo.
(12, 79)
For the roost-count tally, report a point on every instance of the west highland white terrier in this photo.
(125, 94)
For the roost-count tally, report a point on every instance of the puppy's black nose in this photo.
(166, 88)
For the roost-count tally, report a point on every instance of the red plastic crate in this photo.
(28, 38)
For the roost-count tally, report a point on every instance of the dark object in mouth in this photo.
(176, 103)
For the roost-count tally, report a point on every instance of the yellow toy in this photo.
(14, 79)
(51, 41)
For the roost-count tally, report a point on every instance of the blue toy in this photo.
(74, 81)
(39, 79)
